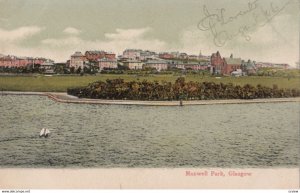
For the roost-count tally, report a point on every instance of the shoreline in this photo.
(63, 97)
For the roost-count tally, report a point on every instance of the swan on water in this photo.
(44, 132)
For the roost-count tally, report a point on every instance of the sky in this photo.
(261, 30)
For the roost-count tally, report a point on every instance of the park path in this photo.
(65, 98)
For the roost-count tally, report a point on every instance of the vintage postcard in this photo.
(147, 94)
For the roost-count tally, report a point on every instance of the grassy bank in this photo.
(61, 83)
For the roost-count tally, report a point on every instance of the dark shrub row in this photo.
(145, 90)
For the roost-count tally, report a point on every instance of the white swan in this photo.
(44, 132)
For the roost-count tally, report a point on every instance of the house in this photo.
(157, 64)
(107, 63)
(132, 54)
(110, 55)
(165, 55)
(197, 66)
(47, 67)
(204, 65)
(183, 56)
(231, 64)
(262, 65)
(77, 60)
(39, 60)
(175, 64)
(271, 65)
(192, 57)
(248, 67)
(133, 64)
(180, 65)
(175, 54)
(148, 55)
(94, 56)
(14, 61)
(217, 63)
(224, 66)
(192, 66)
(7, 61)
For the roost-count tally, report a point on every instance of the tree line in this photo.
(118, 89)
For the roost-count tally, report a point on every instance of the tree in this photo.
(78, 71)
(72, 69)
(137, 90)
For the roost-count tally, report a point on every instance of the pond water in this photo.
(83, 135)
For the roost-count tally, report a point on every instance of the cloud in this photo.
(69, 41)
(19, 33)
(127, 34)
(116, 42)
(277, 41)
(131, 38)
(11, 41)
(72, 31)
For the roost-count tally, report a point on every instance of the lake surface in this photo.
(83, 135)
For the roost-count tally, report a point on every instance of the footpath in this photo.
(65, 98)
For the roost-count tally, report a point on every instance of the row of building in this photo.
(14, 61)
(271, 65)
(143, 55)
(237, 66)
(136, 59)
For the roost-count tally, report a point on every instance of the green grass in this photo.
(61, 83)
(279, 72)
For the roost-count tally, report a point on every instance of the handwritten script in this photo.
(224, 29)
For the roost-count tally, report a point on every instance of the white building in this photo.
(132, 54)
(138, 54)
(47, 67)
(77, 60)
(237, 72)
(106, 63)
(157, 64)
(176, 64)
(133, 64)
(148, 55)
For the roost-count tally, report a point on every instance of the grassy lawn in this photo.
(61, 83)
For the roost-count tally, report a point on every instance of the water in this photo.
(82, 135)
